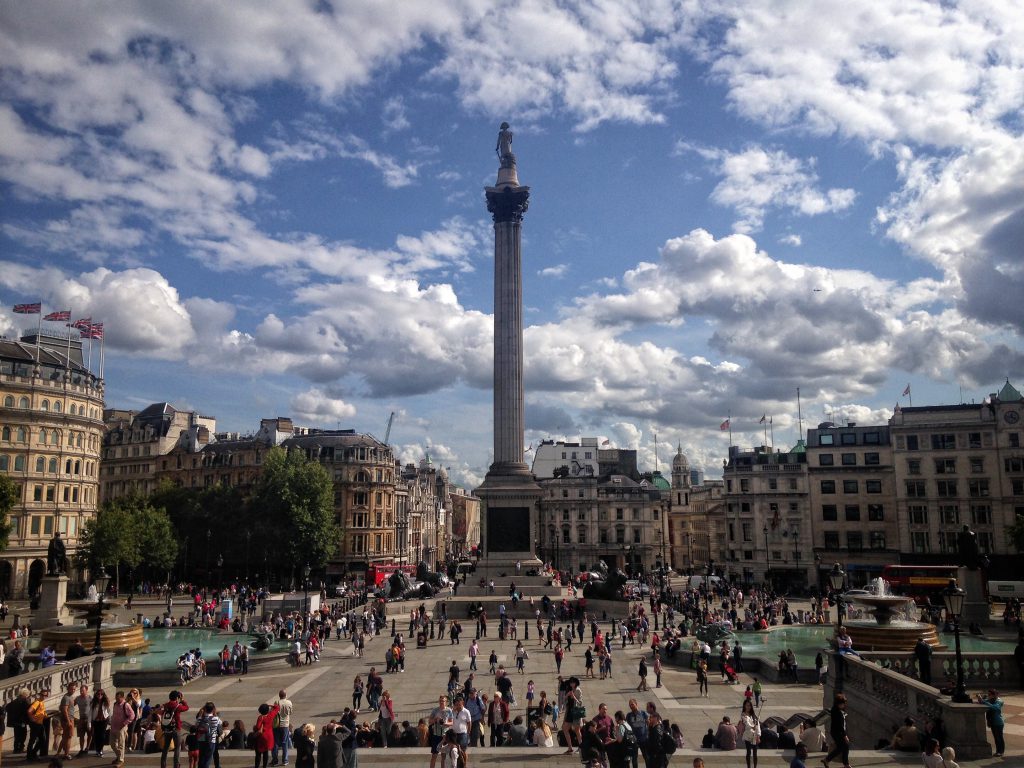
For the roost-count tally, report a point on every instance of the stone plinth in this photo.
(508, 520)
(976, 608)
(52, 611)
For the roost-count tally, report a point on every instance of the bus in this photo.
(377, 574)
(924, 583)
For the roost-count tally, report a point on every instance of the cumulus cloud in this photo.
(317, 407)
(756, 180)
(558, 270)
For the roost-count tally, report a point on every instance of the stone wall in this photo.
(94, 671)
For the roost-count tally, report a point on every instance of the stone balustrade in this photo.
(879, 699)
(94, 671)
(981, 670)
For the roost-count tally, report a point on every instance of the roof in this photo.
(19, 352)
(346, 438)
(1009, 393)
(659, 482)
(800, 447)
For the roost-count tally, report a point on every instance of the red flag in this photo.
(724, 425)
(28, 309)
(906, 391)
(80, 323)
(92, 331)
(62, 316)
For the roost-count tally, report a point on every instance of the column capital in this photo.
(507, 203)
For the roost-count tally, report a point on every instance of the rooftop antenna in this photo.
(655, 451)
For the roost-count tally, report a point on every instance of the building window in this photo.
(913, 466)
(943, 442)
(581, 535)
(848, 438)
(985, 541)
(359, 498)
(826, 439)
(947, 541)
(945, 466)
(828, 486)
(854, 541)
(831, 540)
(19, 463)
(849, 459)
(977, 464)
(916, 489)
(828, 512)
(636, 535)
(581, 515)
(872, 438)
(871, 459)
(877, 540)
(620, 535)
(946, 488)
(636, 513)
(37, 493)
(619, 513)
(1014, 438)
(873, 486)
(747, 530)
(977, 488)
(876, 513)
(744, 485)
(773, 484)
(792, 483)
(949, 514)
(911, 442)
(602, 535)
(1016, 486)
(565, 515)
(852, 512)
(825, 460)
(919, 541)
(849, 486)
(981, 514)
(974, 439)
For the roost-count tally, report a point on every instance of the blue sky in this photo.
(278, 209)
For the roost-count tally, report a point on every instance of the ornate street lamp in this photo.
(305, 595)
(836, 579)
(102, 581)
(953, 597)
(767, 560)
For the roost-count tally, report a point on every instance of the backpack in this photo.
(202, 731)
(629, 739)
(668, 744)
(167, 723)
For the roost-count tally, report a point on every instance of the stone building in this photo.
(957, 465)
(51, 431)
(852, 500)
(696, 519)
(465, 530)
(136, 443)
(766, 513)
(611, 513)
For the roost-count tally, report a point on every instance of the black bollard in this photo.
(655, 621)
(604, 615)
(431, 629)
(526, 630)
(392, 627)
(611, 629)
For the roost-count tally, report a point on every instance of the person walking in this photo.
(17, 718)
(357, 693)
(657, 670)
(170, 725)
(994, 718)
(642, 672)
(838, 732)
(100, 713)
(208, 730)
(923, 654)
(385, 717)
(37, 727)
(474, 651)
(122, 716)
(521, 657)
(702, 678)
(751, 731)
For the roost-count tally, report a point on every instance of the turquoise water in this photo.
(166, 645)
(807, 641)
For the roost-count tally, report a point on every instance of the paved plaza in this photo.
(322, 690)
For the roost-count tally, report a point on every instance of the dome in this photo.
(680, 463)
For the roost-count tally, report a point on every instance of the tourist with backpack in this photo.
(208, 729)
(170, 726)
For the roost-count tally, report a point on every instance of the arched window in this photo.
(78, 440)
(78, 467)
(5, 463)
(73, 409)
(45, 405)
(362, 477)
(19, 463)
(9, 401)
(41, 464)
(5, 434)
(71, 438)
(56, 406)
(52, 466)
(22, 435)
(42, 437)
(581, 534)
(67, 467)
(23, 402)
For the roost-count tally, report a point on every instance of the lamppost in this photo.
(220, 571)
(206, 575)
(796, 551)
(248, 537)
(953, 597)
(767, 560)
(305, 595)
(102, 581)
(689, 547)
(836, 578)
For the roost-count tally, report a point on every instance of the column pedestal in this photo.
(508, 521)
(52, 612)
(976, 608)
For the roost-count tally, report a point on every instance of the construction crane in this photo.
(387, 429)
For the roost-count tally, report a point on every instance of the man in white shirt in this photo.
(282, 728)
(462, 721)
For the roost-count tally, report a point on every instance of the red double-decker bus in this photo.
(377, 574)
(924, 583)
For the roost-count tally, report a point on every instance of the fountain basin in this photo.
(896, 635)
(116, 637)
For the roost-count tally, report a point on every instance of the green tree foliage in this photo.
(10, 492)
(128, 532)
(293, 506)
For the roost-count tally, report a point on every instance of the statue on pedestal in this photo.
(504, 147)
(56, 554)
(969, 551)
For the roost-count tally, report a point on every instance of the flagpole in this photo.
(765, 422)
(89, 364)
(101, 363)
(799, 414)
(68, 325)
(655, 451)
(771, 423)
(730, 428)
(39, 329)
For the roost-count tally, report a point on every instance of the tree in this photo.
(10, 493)
(1016, 533)
(293, 506)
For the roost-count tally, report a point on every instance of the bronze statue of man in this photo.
(55, 555)
(967, 546)
(504, 147)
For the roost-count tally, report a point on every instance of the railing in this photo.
(90, 670)
(879, 699)
(981, 670)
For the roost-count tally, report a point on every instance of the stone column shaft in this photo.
(508, 343)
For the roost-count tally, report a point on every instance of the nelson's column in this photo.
(509, 493)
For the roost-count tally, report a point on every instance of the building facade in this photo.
(852, 501)
(766, 516)
(959, 465)
(51, 432)
(136, 443)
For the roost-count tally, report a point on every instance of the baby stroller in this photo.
(730, 674)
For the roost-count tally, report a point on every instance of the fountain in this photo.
(116, 637)
(884, 632)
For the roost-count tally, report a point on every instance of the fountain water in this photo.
(884, 632)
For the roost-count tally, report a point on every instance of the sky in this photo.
(277, 209)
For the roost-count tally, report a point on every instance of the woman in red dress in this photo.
(264, 731)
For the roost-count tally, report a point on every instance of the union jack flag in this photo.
(62, 316)
(91, 331)
(28, 309)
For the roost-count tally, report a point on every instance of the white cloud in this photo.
(791, 239)
(317, 407)
(558, 270)
(757, 180)
(394, 114)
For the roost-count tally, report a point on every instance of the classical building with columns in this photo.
(51, 431)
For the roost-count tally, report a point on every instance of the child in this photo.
(57, 729)
(493, 662)
(192, 745)
(529, 695)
